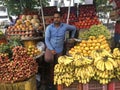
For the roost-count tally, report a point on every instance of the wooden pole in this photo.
(41, 8)
(68, 15)
(68, 12)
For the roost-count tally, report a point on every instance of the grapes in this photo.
(96, 30)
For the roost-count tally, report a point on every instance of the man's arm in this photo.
(47, 39)
(73, 29)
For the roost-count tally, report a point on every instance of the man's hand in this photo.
(53, 51)
(72, 39)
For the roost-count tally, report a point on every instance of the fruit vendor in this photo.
(54, 38)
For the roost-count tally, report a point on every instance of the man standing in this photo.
(54, 39)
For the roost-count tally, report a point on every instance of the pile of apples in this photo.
(48, 20)
(49, 11)
(87, 17)
(72, 17)
(19, 68)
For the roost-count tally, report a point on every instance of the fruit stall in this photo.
(90, 63)
(20, 46)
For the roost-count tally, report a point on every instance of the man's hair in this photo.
(58, 12)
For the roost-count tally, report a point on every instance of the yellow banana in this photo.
(100, 65)
(61, 59)
(113, 62)
(109, 65)
(106, 53)
(87, 60)
(94, 54)
(96, 60)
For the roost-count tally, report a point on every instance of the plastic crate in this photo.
(114, 85)
(74, 86)
(94, 85)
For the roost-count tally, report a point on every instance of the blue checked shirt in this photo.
(54, 37)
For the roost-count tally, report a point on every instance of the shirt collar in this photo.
(61, 24)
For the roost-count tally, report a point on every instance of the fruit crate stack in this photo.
(94, 85)
(74, 86)
(114, 85)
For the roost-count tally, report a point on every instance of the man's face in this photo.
(56, 18)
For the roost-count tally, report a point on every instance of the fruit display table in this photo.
(74, 86)
(94, 85)
(114, 85)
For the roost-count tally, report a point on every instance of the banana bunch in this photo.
(116, 52)
(76, 56)
(82, 61)
(117, 73)
(84, 74)
(65, 59)
(105, 63)
(64, 74)
(100, 52)
(104, 77)
(116, 55)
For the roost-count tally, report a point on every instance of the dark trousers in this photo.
(51, 60)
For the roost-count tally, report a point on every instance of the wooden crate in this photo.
(29, 84)
(94, 85)
(114, 85)
(74, 86)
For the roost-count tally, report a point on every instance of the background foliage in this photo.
(15, 7)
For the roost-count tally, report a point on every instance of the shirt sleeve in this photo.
(71, 28)
(47, 39)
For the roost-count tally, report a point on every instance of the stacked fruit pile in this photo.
(72, 16)
(18, 68)
(99, 64)
(83, 68)
(87, 17)
(96, 30)
(104, 65)
(49, 11)
(87, 46)
(26, 26)
(33, 51)
(63, 71)
(116, 56)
